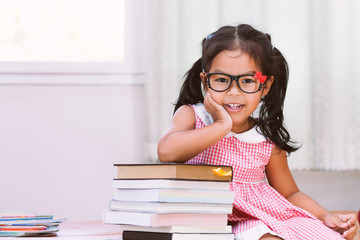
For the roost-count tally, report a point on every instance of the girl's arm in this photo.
(280, 178)
(182, 141)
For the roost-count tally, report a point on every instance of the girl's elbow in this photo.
(168, 156)
(165, 158)
(163, 155)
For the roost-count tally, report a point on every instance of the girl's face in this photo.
(238, 104)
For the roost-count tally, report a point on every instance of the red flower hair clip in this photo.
(262, 78)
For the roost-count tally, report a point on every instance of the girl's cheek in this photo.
(218, 99)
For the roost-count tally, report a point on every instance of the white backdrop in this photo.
(320, 40)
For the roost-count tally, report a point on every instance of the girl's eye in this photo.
(247, 80)
(222, 80)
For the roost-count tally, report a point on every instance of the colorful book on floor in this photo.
(21, 228)
(22, 215)
(179, 229)
(137, 235)
(173, 195)
(46, 222)
(174, 171)
(170, 183)
(157, 220)
(26, 224)
(170, 207)
(28, 232)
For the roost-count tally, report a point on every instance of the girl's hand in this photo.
(342, 223)
(217, 112)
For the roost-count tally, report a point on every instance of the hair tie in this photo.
(208, 37)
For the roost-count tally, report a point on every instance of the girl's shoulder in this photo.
(184, 110)
(184, 114)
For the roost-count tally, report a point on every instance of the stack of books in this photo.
(26, 224)
(172, 201)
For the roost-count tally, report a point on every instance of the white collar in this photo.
(251, 136)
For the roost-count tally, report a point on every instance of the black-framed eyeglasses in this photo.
(248, 83)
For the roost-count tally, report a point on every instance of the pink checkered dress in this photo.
(258, 208)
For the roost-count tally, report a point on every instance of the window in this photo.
(71, 37)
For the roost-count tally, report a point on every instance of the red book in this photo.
(22, 228)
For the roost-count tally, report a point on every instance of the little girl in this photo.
(229, 112)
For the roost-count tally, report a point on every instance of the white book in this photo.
(158, 220)
(179, 229)
(137, 235)
(173, 195)
(46, 222)
(170, 183)
(171, 207)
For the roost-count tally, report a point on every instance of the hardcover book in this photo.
(175, 171)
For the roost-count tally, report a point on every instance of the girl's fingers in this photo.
(208, 103)
(216, 110)
(214, 106)
(350, 219)
(211, 100)
(350, 233)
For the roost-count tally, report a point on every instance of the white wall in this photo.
(58, 144)
(60, 137)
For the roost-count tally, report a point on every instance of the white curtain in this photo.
(320, 40)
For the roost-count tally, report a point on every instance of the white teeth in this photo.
(234, 105)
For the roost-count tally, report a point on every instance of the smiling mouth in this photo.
(234, 106)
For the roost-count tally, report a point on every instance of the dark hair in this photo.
(271, 62)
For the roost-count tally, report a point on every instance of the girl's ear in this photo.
(203, 81)
(267, 86)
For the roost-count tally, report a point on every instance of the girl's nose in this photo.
(234, 89)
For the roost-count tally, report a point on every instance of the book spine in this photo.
(138, 235)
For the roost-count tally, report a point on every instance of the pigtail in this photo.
(271, 117)
(191, 91)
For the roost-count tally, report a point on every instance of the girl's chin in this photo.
(241, 124)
